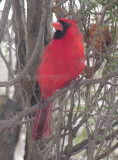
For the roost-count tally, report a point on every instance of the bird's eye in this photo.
(67, 24)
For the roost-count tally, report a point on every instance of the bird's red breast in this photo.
(62, 61)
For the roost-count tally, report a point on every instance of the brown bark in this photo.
(35, 12)
(26, 42)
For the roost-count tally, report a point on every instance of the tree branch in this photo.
(74, 85)
(35, 52)
(59, 4)
(11, 72)
(4, 17)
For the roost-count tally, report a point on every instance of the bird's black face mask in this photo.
(60, 34)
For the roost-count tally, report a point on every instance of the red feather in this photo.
(63, 60)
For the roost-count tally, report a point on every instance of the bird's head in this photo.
(63, 27)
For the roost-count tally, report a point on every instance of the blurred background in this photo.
(86, 126)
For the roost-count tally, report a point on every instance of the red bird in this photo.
(63, 60)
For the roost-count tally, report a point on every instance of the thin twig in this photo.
(4, 17)
(11, 72)
(34, 54)
(59, 4)
(75, 85)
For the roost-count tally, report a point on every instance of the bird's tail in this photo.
(41, 126)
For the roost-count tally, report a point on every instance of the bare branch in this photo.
(35, 52)
(59, 4)
(7, 64)
(74, 85)
(4, 17)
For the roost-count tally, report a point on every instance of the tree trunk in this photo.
(35, 11)
(25, 41)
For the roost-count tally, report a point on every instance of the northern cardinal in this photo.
(63, 60)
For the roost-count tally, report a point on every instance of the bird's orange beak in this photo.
(57, 26)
